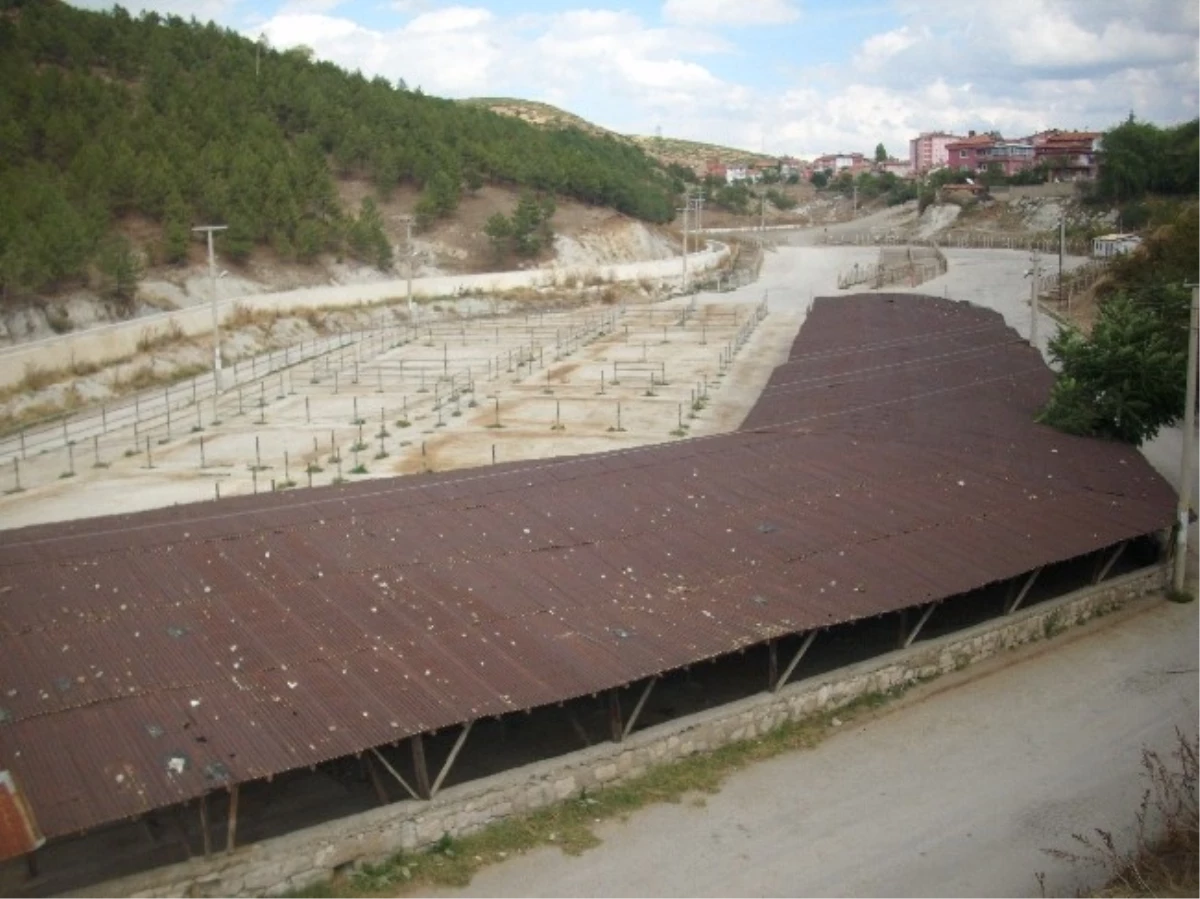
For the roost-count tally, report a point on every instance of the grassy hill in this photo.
(690, 154)
(106, 119)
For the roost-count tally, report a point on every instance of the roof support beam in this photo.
(614, 716)
(417, 741)
(1013, 604)
(376, 781)
(637, 709)
(205, 836)
(787, 672)
(1112, 560)
(31, 864)
(396, 774)
(231, 830)
(772, 664)
(907, 639)
(458, 745)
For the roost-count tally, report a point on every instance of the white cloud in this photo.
(728, 12)
(452, 18)
(880, 48)
(417, 53)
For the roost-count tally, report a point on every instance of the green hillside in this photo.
(106, 119)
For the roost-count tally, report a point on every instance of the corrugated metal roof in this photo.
(893, 459)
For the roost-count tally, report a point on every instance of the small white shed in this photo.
(1114, 245)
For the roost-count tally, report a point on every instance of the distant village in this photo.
(1062, 155)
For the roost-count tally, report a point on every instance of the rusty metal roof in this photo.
(893, 459)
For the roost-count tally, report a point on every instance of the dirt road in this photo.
(955, 792)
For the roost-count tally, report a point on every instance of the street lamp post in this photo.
(212, 281)
(1182, 509)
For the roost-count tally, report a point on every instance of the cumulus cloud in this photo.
(724, 12)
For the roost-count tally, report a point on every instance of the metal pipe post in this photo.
(1189, 451)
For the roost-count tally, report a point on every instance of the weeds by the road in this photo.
(569, 824)
(1163, 860)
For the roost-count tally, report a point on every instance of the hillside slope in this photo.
(667, 150)
(120, 134)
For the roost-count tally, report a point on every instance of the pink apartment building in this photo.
(928, 150)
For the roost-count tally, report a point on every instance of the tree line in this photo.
(106, 117)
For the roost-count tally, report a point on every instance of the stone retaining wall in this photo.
(292, 861)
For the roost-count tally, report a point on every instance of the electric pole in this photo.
(212, 280)
(684, 210)
(1035, 273)
(1183, 508)
(1062, 249)
(408, 252)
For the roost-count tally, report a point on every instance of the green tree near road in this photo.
(881, 153)
(1127, 380)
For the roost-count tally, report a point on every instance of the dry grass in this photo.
(152, 339)
(1164, 860)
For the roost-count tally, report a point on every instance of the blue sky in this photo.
(801, 77)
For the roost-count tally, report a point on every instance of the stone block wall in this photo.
(294, 860)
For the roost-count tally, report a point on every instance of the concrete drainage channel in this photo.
(294, 860)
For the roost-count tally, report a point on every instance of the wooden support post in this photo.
(31, 864)
(396, 774)
(376, 780)
(1012, 605)
(912, 635)
(205, 836)
(419, 765)
(454, 751)
(772, 664)
(614, 716)
(231, 832)
(787, 672)
(637, 709)
(1112, 560)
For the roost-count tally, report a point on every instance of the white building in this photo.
(1114, 245)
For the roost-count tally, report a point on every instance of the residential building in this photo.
(842, 162)
(735, 172)
(789, 166)
(978, 153)
(1070, 155)
(901, 168)
(715, 169)
(928, 150)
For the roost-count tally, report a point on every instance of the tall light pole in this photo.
(684, 210)
(1182, 509)
(408, 251)
(212, 282)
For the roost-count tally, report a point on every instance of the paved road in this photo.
(954, 793)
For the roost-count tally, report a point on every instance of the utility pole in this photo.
(1183, 508)
(1035, 273)
(212, 280)
(684, 210)
(762, 211)
(408, 252)
(1062, 249)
